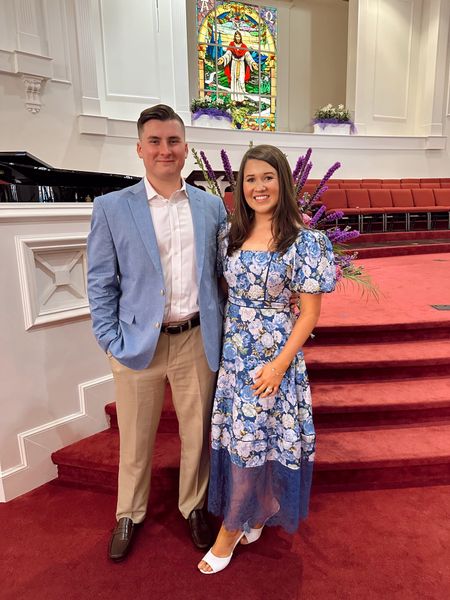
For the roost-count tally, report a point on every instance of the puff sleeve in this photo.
(313, 267)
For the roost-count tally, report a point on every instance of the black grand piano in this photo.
(24, 178)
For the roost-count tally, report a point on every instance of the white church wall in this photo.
(55, 380)
(397, 63)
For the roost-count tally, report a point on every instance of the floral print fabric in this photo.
(258, 321)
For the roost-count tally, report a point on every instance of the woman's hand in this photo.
(267, 381)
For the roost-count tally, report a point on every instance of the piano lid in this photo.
(24, 168)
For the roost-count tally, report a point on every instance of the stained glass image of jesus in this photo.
(237, 61)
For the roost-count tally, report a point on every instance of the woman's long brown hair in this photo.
(286, 219)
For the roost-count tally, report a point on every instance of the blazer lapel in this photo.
(140, 210)
(198, 221)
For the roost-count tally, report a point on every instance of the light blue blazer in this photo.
(125, 278)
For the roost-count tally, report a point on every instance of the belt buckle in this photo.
(174, 329)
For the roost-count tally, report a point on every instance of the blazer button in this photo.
(157, 325)
(162, 292)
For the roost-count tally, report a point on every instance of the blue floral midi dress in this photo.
(263, 448)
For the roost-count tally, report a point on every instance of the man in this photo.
(155, 310)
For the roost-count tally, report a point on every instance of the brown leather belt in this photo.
(172, 329)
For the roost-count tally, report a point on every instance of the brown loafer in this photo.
(201, 533)
(120, 541)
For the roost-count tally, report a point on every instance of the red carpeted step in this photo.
(378, 402)
(401, 250)
(93, 461)
(393, 332)
(391, 236)
(373, 458)
(361, 458)
(375, 360)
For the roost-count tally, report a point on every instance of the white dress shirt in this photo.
(172, 221)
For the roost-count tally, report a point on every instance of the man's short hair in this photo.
(159, 112)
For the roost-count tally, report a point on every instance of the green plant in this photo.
(334, 114)
(208, 103)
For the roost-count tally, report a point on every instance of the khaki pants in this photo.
(181, 360)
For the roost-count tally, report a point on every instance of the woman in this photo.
(262, 431)
(238, 72)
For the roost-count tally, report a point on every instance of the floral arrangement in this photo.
(212, 107)
(334, 115)
(314, 213)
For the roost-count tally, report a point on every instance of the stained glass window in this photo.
(237, 60)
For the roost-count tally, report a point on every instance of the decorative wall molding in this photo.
(37, 444)
(33, 92)
(394, 75)
(121, 83)
(91, 125)
(86, 57)
(31, 212)
(55, 15)
(52, 275)
(30, 34)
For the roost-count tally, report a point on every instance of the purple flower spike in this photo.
(331, 170)
(208, 167)
(333, 216)
(342, 237)
(318, 192)
(304, 176)
(298, 167)
(228, 169)
(316, 218)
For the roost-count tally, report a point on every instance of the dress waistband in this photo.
(262, 304)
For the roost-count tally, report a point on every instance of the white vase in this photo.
(216, 122)
(332, 128)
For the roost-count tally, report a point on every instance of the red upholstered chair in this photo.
(424, 202)
(403, 203)
(423, 198)
(391, 186)
(409, 180)
(358, 202)
(349, 184)
(380, 199)
(402, 198)
(371, 180)
(442, 197)
(229, 200)
(334, 199)
(309, 187)
(380, 202)
(409, 185)
(430, 185)
(332, 184)
(430, 180)
(395, 181)
(370, 185)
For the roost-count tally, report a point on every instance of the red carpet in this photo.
(381, 392)
(380, 545)
(381, 395)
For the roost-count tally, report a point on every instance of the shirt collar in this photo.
(152, 194)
